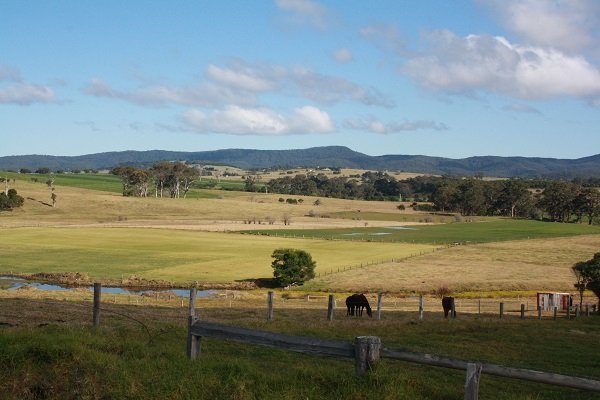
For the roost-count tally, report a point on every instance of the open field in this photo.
(105, 235)
(486, 230)
(173, 255)
(77, 206)
(541, 264)
(52, 352)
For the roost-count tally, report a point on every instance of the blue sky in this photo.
(442, 78)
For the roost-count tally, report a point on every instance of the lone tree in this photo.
(292, 266)
(588, 275)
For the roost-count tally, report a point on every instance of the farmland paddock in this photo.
(366, 352)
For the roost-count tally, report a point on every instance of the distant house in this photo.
(547, 301)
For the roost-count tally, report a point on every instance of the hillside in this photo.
(330, 156)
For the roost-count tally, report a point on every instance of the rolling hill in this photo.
(330, 156)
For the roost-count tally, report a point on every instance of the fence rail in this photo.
(366, 351)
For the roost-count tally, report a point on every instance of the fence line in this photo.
(366, 350)
(334, 270)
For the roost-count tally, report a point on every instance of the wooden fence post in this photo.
(472, 381)
(555, 312)
(96, 309)
(330, 307)
(270, 306)
(522, 310)
(587, 310)
(453, 307)
(379, 297)
(577, 311)
(194, 343)
(568, 312)
(421, 307)
(539, 312)
(501, 310)
(366, 353)
(479, 308)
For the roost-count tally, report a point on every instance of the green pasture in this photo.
(122, 359)
(174, 255)
(493, 230)
(102, 182)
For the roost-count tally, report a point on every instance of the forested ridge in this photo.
(329, 156)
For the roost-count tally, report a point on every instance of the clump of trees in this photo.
(292, 266)
(9, 199)
(588, 276)
(164, 178)
(559, 201)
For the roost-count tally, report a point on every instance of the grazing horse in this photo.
(447, 305)
(356, 304)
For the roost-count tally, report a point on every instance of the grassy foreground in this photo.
(173, 255)
(46, 357)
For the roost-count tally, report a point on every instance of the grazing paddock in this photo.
(173, 255)
(485, 230)
(137, 341)
(541, 264)
(203, 209)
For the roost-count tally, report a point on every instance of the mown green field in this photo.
(492, 230)
(123, 359)
(102, 182)
(174, 255)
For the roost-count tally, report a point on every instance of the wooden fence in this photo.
(366, 352)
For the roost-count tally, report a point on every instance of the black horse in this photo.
(356, 304)
(447, 305)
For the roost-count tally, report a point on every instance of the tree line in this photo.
(560, 201)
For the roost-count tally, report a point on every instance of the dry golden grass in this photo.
(517, 265)
(88, 207)
(542, 264)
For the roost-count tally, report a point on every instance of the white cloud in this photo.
(243, 77)
(205, 94)
(240, 84)
(343, 56)
(18, 91)
(263, 121)
(305, 12)
(26, 94)
(566, 25)
(480, 62)
(329, 89)
(375, 126)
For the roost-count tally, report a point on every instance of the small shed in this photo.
(547, 301)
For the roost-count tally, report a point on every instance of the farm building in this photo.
(547, 301)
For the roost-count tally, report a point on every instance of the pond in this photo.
(11, 283)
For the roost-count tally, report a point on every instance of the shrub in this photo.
(292, 266)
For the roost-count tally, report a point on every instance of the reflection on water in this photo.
(10, 283)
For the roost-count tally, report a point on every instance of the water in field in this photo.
(367, 234)
(10, 283)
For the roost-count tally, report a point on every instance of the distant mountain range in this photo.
(330, 156)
